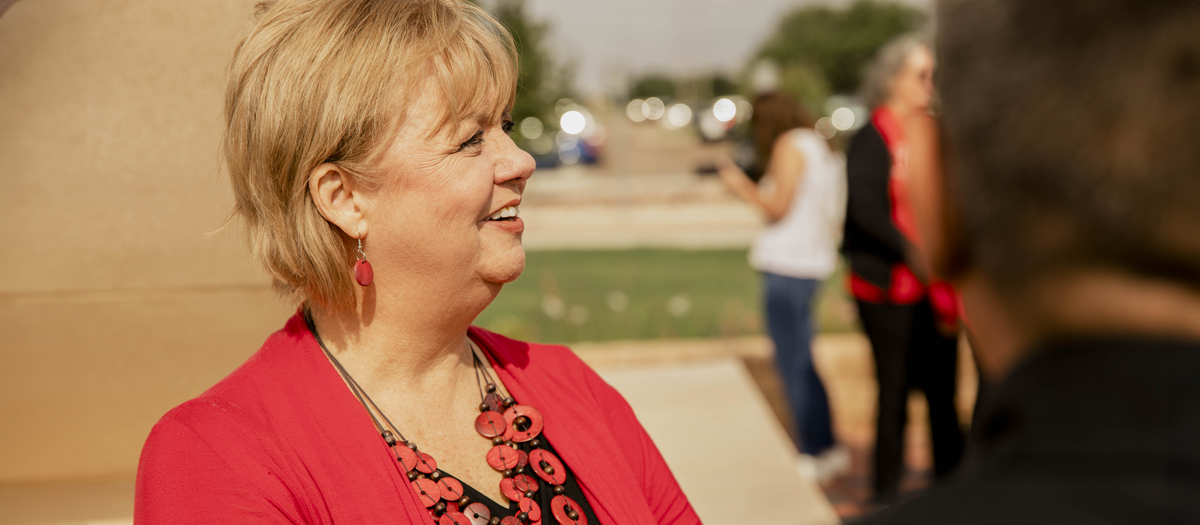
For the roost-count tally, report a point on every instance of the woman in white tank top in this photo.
(803, 195)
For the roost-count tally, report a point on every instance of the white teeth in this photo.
(505, 213)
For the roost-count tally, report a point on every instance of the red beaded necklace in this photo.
(505, 423)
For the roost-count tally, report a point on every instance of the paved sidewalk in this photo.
(731, 456)
(846, 367)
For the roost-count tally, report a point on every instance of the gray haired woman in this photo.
(911, 321)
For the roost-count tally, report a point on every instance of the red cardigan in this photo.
(282, 440)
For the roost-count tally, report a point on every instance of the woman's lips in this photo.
(513, 225)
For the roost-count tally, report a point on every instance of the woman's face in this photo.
(913, 85)
(431, 216)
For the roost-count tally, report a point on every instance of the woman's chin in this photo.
(504, 268)
(508, 278)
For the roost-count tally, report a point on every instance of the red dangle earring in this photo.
(363, 273)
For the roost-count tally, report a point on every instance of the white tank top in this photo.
(804, 243)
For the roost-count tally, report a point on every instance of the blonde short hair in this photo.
(327, 80)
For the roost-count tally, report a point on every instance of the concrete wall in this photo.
(114, 303)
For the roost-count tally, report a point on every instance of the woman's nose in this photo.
(514, 163)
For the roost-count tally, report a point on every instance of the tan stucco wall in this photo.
(114, 304)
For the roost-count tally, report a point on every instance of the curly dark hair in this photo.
(1073, 135)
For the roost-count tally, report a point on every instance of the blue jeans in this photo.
(789, 319)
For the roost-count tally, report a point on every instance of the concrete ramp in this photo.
(729, 453)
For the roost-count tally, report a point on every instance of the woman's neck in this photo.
(900, 109)
(396, 343)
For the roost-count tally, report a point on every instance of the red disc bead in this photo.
(427, 491)
(478, 513)
(563, 507)
(426, 463)
(524, 483)
(533, 423)
(451, 488)
(508, 488)
(531, 508)
(547, 467)
(454, 518)
(407, 458)
(502, 457)
(491, 424)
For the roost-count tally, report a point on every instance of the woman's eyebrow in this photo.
(484, 116)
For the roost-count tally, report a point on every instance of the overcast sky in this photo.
(609, 40)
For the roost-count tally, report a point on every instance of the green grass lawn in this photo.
(597, 295)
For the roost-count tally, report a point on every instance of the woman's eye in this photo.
(475, 140)
(507, 126)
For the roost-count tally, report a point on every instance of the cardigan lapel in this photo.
(346, 425)
(587, 446)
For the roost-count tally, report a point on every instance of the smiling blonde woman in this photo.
(367, 142)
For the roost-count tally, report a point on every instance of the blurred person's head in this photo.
(1063, 194)
(775, 113)
(901, 75)
(378, 121)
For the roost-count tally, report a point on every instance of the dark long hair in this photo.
(775, 113)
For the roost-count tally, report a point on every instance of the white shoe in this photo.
(806, 465)
(832, 463)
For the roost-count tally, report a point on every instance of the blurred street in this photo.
(578, 208)
(644, 193)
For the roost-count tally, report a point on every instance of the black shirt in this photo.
(871, 241)
(1097, 432)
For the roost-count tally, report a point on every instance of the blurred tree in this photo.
(542, 82)
(653, 86)
(722, 85)
(806, 83)
(823, 49)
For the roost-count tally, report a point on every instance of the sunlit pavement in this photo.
(845, 364)
(716, 431)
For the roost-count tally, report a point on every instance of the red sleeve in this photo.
(183, 478)
(666, 500)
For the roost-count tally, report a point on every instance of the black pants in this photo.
(911, 353)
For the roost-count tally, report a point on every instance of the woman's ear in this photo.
(934, 204)
(337, 199)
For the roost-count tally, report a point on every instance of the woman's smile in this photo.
(506, 219)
